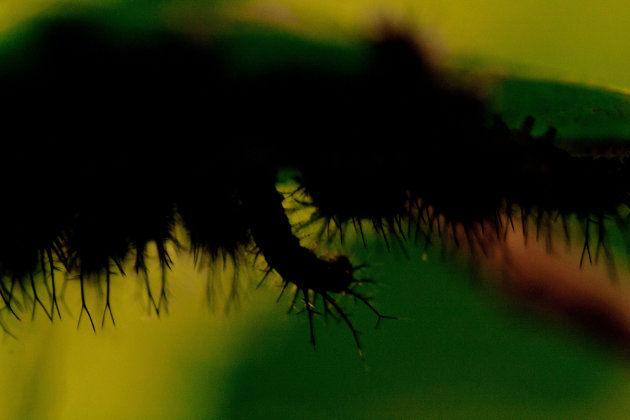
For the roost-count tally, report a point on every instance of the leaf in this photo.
(576, 111)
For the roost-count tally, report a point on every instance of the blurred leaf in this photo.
(576, 111)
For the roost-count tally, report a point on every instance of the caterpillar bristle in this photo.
(101, 189)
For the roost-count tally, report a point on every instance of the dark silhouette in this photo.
(107, 140)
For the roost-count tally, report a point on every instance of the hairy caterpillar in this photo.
(109, 141)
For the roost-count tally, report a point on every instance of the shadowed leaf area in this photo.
(581, 112)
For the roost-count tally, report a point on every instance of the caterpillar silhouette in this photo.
(108, 141)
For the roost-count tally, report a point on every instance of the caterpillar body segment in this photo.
(109, 143)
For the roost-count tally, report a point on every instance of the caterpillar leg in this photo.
(298, 265)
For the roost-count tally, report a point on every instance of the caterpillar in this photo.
(109, 142)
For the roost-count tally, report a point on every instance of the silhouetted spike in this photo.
(7, 300)
(267, 272)
(528, 125)
(36, 299)
(42, 264)
(84, 305)
(454, 230)
(284, 287)
(361, 231)
(152, 302)
(345, 318)
(163, 300)
(372, 308)
(310, 317)
(586, 248)
(108, 307)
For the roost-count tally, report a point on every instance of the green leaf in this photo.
(576, 111)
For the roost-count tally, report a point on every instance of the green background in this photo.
(459, 350)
